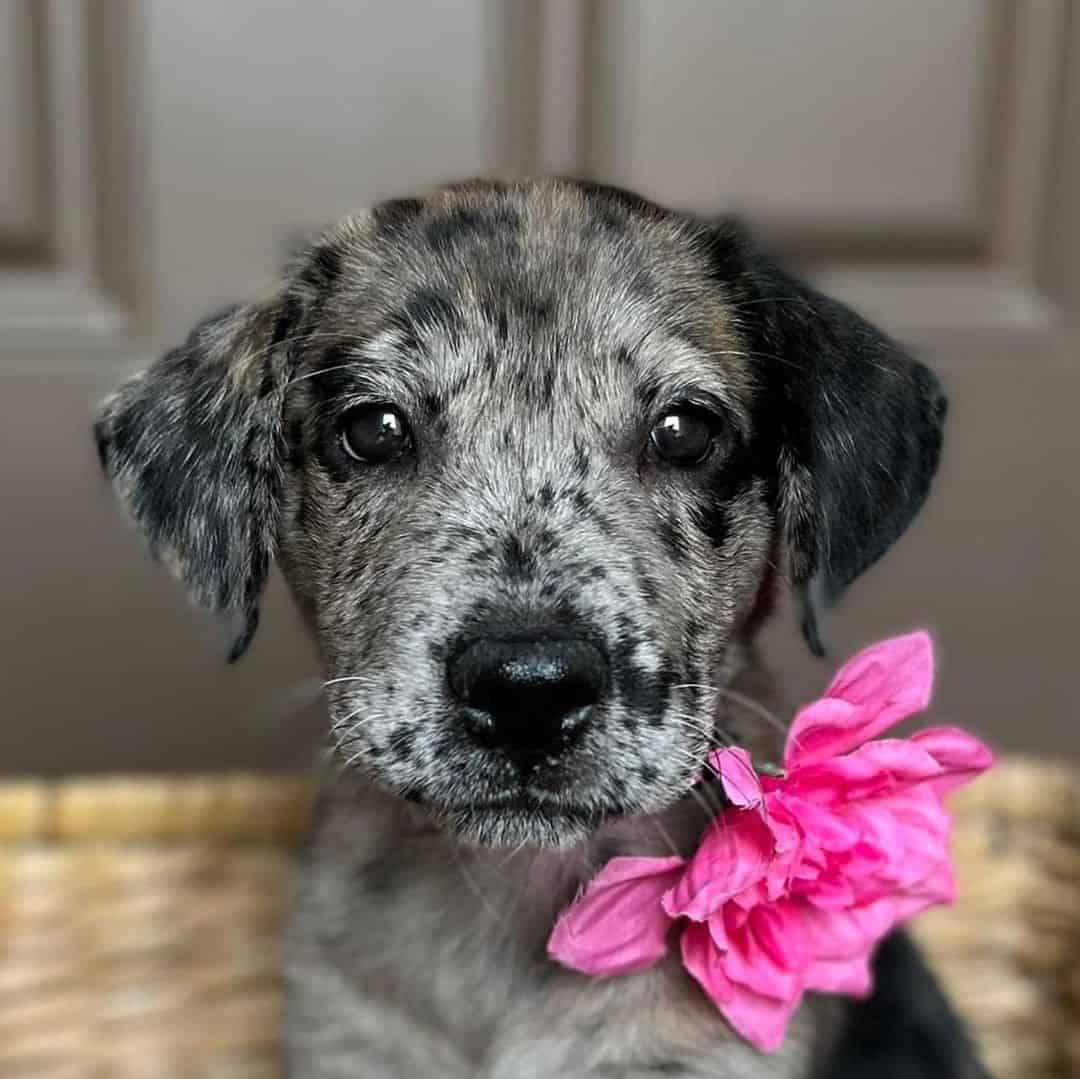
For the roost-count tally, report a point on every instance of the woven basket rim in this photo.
(276, 806)
(236, 806)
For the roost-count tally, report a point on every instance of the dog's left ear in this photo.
(852, 425)
(195, 449)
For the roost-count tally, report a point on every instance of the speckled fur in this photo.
(532, 333)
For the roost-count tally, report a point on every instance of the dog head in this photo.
(527, 455)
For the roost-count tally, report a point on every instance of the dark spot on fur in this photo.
(647, 394)
(534, 311)
(290, 311)
(646, 693)
(596, 573)
(673, 538)
(548, 382)
(465, 224)
(429, 309)
(406, 333)
(603, 522)
(647, 773)
(712, 519)
(402, 743)
(433, 403)
(545, 540)
(518, 561)
(546, 495)
(322, 269)
(607, 198)
(395, 215)
(464, 531)
(642, 283)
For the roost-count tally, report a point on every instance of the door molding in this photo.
(72, 274)
(1000, 279)
(999, 270)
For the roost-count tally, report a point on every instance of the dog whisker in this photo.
(753, 706)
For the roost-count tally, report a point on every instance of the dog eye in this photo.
(375, 434)
(683, 437)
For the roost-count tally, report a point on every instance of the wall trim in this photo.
(82, 283)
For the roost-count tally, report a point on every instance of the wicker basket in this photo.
(140, 924)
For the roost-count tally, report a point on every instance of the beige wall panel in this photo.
(842, 114)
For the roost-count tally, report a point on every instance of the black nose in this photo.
(528, 695)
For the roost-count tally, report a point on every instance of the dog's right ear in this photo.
(195, 449)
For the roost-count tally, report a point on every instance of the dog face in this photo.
(528, 456)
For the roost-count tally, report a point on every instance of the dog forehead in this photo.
(532, 281)
(524, 244)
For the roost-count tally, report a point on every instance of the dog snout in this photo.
(530, 694)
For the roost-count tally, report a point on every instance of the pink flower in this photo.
(622, 926)
(793, 887)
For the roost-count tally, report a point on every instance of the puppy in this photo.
(529, 456)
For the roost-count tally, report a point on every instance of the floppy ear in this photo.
(853, 426)
(195, 449)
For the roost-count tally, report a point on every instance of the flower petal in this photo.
(847, 934)
(748, 965)
(938, 889)
(823, 827)
(737, 775)
(618, 924)
(733, 856)
(762, 1021)
(778, 931)
(703, 960)
(882, 685)
(960, 756)
(830, 890)
(851, 977)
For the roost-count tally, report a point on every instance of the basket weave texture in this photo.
(140, 924)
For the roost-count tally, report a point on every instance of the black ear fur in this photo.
(906, 1029)
(852, 424)
(195, 449)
